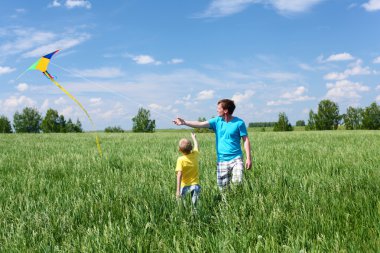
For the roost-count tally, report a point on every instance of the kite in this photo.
(42, 65)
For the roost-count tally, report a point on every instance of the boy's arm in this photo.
(194, 124)
(247, 148)
(179, 178)
(196, 146)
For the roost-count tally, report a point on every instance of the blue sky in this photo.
(178, 58)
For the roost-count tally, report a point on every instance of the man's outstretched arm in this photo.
(194, 124)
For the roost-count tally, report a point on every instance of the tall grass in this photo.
(308, 191)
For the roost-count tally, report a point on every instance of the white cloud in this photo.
(78, 3)
(24, 39)
(293, 5)
(145, 59)
(345, 89)
(278, 102)
(335, 76)
(295, 94)
(205, 95)
(281, 76)
(175, 61)
(106, 72)
(20, 10)
(55, 3)
(22, 87)
(67, 112)
(186, 100)
(378, 99)
(30, 42)
(242, 97)
(354, 70)
(62, 44)
(378, 87)
(340, 57)
(372, 5)
(306, 110)
(305, 66)
(22, 101)
(116, 112)
(289, 97)
(221, 8)
(376, 60)
(45, 105)
(60, 101)
(6, 70)
(96, 101)
(157, 107)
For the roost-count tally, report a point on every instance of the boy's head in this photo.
(227, 104)
(185, 146)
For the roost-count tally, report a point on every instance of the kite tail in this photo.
(78, 103)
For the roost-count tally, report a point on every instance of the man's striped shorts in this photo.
(228, 171)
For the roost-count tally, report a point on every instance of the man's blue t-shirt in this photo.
(228, 135)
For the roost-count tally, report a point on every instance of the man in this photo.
(228, 132)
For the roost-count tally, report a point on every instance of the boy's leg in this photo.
(195, 192)
(184, 190)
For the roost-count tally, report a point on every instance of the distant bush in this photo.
(202, 130)
(300, 123)
(114, 129)
(261, 124)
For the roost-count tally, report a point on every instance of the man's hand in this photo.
(248, 164)
(179, 121)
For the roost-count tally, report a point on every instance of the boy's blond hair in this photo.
(185, 146)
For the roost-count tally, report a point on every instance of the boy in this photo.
(187, 170)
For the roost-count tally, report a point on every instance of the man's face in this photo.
(220, 110)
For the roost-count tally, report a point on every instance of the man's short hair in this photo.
(185, 146)
(227, 104)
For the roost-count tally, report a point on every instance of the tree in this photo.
(62, 124)
(142, 122)
(327, 117)
(70, 126)
(371, 117)
(202, 130)
(282, 123)
(300, 123)
(5, 125)
(311, 121)
(29, 121)
(353, 118)
(50, 124)
(78, 127)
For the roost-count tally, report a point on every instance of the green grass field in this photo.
(307, 192)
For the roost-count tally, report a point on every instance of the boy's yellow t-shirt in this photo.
(188, 164)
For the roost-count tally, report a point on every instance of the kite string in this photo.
(109, 89)
(79, 104)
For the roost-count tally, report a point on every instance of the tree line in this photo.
(328, 118)
(31, 121)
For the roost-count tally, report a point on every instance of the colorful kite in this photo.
(42, 65)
